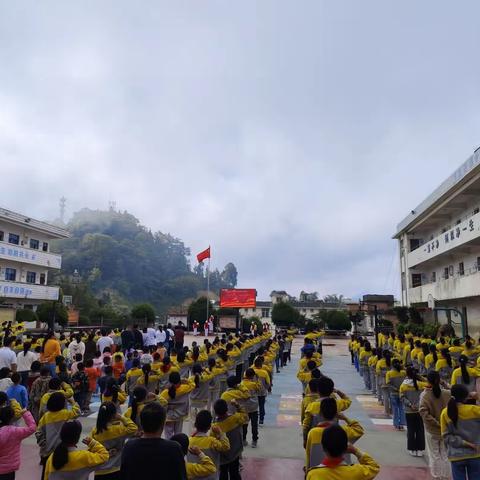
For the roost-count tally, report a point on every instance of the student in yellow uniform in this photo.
(444, 365)
(203, 466)
(112, 430)
(365, 354)
(459, 426)
(149, 379)
(68, 462)
(310, 397)
(394, 379)
(326, 388)
(140, 398)
(212, 444)
(132, 376)
(431, 359)
(456, 350)
(49, 426)
(313, 448)
(55, 385)
(465, 375)
(178, 403)
(333, 467)
(231, 425)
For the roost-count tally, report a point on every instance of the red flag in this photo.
(203, 255)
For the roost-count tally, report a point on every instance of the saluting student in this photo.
(333, 467)
(68, 462)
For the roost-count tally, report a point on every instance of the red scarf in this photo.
(332, 462)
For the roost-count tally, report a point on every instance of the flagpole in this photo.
(208, 285)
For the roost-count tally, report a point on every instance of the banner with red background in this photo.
(238, 298)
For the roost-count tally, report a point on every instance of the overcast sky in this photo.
(291, 136)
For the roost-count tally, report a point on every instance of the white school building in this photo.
(439, 244)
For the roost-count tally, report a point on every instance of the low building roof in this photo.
(18, 219)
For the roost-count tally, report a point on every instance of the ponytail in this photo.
(172, 391)
(388, 358)
(60, 456)
(26, 347)
(197, 371)
(174, 380)
(463, 366)
(433, 351)
(139, 395)
(412, 374)
(69, 435)
(459, 395)
(433, 378)
(447, 357)
(452, 411)
(106, 413)
(146, 373)
(397, 365)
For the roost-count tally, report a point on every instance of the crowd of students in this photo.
(431, 386)
(329, 435)
(146, 390)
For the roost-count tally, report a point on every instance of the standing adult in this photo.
(161, 336)
(8, 359)
(77, 346)
(25, 358)
(150, 340)
(179, 337)
(142, 457)
(138, 337)
(432, 402)
(90, 348)
(128, 339)
(210, 324)
(104, 341)
(50, 351)
(206, 328)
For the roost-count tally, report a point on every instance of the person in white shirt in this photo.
(150, 340)
(25, 358)
(160, 335)
(8, 359)
(104, 341)
(76, 346)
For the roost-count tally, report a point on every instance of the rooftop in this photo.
(27, 222)
(458, 178)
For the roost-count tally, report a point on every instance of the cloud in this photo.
(291, 137)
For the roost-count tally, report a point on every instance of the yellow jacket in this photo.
(202, 469)
(80, 462)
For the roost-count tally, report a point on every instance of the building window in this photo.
(434, 277)
(414, 244)
(265, 312)
(45, 247)
(445, 273)
(13, 238)
(10, 274)
(31, 277)
(34, 244)
(416, 280)
(42, 279)
(450, 270)
(461, 268)
(1, 236)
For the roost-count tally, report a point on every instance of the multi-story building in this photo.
(307, 305)
(26, 260)
(440, 249)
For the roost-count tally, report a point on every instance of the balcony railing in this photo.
(460, 234)
(455, 286)
(30, 256)
(27, 291)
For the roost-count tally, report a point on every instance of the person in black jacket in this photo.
(138, 337)
(128, 339)
(151, 457)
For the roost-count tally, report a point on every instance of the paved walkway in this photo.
(280, 449)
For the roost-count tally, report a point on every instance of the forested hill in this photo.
(124, 262)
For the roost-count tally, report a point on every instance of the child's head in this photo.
(328, 408)
(56, 402)
(89, 363)
(16, 378)
(97, 354)
(3, 399)
(117, 358)
(203, 421)
(334, 441)
(78, 357)
(108, 371)
(129, 356)
(232, 381)
(44, 372)
(106, 360)
(69, 437)
(153, 418)
(55, 383)
(35, 366)
(182, 440)
(80, 366)
(136, 363)
(6, 416)
(220, 407)
(325, 386)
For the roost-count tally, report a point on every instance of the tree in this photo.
(334, 319)
(284, 315)
(53, 312)
(229, 275)
(143, 312)
(197, 310)
(26, 315)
